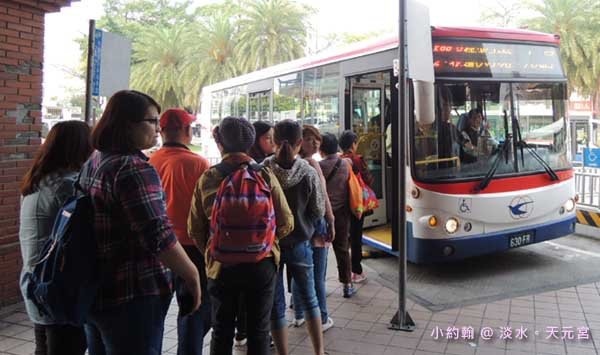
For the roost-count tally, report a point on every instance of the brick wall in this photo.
(21, 62)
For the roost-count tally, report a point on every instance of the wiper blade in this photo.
(499, 154)
(490, 174)
(522, 144)
(543, 163)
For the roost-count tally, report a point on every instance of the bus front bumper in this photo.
(424, 251)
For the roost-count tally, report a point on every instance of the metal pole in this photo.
(88, 76)
(402, 320)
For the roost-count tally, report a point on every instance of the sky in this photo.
(61, 52)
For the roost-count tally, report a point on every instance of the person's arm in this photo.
(365, 172)
(141, 197)
(178, 261)
(329, 217)
(283, 214)
(316, 203)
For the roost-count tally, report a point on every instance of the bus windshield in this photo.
(474, 122)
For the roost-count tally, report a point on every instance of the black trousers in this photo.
(59, 340)
(356, 229)
(257, 283)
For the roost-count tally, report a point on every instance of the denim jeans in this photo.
(135, 327)
(320, 270)
(299, 260)
(257, 282)
(191, 328)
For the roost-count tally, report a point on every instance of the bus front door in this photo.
(367, 102)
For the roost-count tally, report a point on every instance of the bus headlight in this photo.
(451, 225)
(570, 205)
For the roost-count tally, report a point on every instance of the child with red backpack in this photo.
(238, 214)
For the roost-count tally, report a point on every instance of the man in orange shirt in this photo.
(179, 170)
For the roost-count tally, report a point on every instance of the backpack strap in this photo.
(334, 170)
(227, 169)
(77, 184)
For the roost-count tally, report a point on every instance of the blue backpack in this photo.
(65, 280)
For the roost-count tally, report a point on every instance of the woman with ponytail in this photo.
(304, 194)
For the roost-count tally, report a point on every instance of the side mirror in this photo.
(424, 102)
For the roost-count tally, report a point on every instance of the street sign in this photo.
(591, 157)
(111, 63)
(96, 63)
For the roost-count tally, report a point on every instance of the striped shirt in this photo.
(131, 227)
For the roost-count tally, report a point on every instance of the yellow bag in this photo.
(355, 191)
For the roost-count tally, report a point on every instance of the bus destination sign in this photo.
(495, 60)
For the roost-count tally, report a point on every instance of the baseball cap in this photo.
(176, 118)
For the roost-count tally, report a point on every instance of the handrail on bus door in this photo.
(438, 160)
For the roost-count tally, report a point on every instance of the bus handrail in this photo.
(440, 160)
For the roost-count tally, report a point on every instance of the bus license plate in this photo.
(519, 240)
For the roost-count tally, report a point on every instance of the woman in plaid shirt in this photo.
(136, 243)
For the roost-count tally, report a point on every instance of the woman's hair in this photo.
(67, 147)
(347, 138)
(113, 133)
(287, 133)
(329, 145)
(308, 130)
(261, 127)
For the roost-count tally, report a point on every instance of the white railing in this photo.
(587, 184)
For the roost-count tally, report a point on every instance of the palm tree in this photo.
(271, 32)
(211, 57)
(159, 55)
(577, 22)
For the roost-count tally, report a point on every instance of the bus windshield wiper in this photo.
(522, 144)
(504, 151)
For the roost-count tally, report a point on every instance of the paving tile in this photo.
(24, 349)
(550, 349)
(7, 343)
(489, 351)
(391, 350)
(13, 329)
(432, 346)
(460, 349)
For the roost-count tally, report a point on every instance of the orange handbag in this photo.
(356, 195)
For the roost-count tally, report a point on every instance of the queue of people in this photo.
(217, 237)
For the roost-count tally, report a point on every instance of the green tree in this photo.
(159, 56)
(211, 57)
(271, 32)
(133, 17)
(502, 13)
(577, 22)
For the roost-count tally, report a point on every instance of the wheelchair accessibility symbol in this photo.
(591, 157)
(464, 205)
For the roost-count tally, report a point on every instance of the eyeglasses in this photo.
(153, 121)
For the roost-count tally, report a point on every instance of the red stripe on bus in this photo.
(498, 185)
(494, 34)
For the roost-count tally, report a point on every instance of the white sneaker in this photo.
(239, 343)
(327, 325)
(298, 322)
(358, 278)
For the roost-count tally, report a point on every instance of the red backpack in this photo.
(242, 221)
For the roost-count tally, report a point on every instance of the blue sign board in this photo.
(96, 63)
(591, 157)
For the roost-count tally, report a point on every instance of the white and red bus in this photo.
(474, 186)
